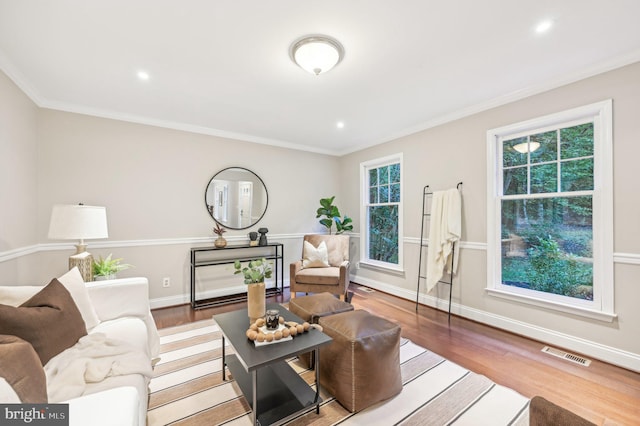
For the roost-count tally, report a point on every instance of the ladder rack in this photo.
(426, 216)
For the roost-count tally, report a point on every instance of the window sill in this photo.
(398, 270)
(556, 306)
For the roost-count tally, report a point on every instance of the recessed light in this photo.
(340, 124)
(143, 75)
(544, 26)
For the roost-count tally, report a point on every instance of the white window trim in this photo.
(364, 194)
(602, 307)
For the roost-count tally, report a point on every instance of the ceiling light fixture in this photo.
(340, 124)
(143, 75)
(523, 147)
(316, 54)
(544, 26)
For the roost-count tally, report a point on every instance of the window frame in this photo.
(602, 306)
(364, 216)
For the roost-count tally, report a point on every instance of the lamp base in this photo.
(84, 262)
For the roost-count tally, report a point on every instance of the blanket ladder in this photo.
(426, 216)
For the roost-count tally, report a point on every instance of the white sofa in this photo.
(114, 311)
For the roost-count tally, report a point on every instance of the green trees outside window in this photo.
(547, 211)
(384, 191)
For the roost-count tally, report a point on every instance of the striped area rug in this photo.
(187, 389)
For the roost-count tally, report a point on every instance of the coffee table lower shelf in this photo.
(282, 393)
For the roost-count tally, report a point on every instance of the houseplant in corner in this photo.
(254, 275)
(107, 268)
(332, 215)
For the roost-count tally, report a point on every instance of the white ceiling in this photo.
(223, 67)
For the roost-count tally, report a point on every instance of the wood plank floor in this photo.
(601, 393)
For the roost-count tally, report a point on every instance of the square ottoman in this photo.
(362, 365)
(311, 308)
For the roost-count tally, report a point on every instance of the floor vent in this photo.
(366, 290)
(566, 355)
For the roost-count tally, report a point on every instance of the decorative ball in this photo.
(261, 337)
(252, 334)
(269, 337)
(286, 332)
(254, 327)
(281, 320)
(277, 335)
(306, 326)
(293, 330)
(260, 322)
(300, 328)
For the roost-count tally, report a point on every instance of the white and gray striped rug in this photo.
(187, 389)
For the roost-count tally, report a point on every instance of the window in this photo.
(550, 218)
(381, 212)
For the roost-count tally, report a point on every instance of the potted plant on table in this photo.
(107, 268)
(254, 274)
(220, 242)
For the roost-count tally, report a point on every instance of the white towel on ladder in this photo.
(444, 230)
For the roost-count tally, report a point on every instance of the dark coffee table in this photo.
(275, 392)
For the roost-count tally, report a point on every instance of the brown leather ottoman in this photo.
(312, 308)
(362, 365)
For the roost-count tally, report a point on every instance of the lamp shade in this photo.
(78, 222)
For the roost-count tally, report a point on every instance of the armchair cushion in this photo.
(321, 276)
(315, 257)
(50, 321)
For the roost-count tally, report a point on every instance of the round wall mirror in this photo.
(236, 198)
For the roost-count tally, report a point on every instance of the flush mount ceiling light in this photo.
(316, 54)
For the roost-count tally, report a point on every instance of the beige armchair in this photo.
(333, 278)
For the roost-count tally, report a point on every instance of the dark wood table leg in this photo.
(224, 361)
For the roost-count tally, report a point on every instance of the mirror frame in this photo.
(266, 205)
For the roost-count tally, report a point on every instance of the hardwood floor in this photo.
(601, 393)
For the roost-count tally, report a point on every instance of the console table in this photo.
(228, 255)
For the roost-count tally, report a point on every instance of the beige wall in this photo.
(447, 154)
(18, 182)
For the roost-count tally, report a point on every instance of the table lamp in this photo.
(79, 222)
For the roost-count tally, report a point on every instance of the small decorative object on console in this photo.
(253, 239)
(220, 242)
(263, 236)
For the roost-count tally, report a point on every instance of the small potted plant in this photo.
(220, 242)
(107, 268)
(254, 275)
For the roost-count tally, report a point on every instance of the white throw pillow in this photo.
(74, 284)
(313, 257)
(16, 295)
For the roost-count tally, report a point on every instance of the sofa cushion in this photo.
(315, 257)
(74, 283)
(50, 321)
(22, 370)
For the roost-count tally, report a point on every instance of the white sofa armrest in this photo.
(125, 297)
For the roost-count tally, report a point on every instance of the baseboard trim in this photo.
(619, 357)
